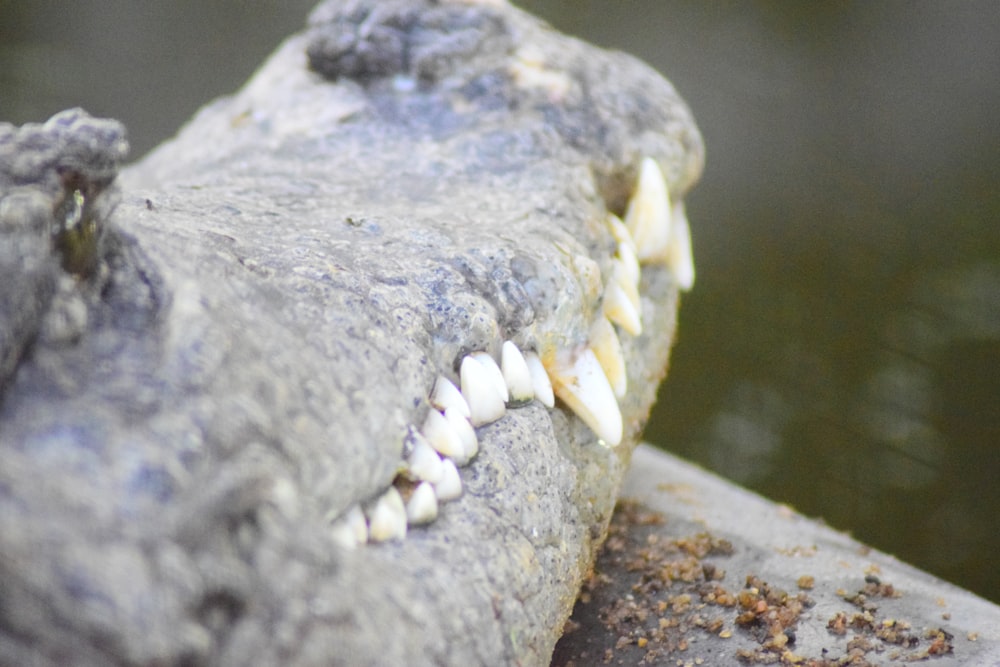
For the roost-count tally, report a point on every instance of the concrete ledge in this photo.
(697, 570)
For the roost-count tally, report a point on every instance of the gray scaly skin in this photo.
(237, 353)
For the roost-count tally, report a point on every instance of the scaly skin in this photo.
(278, 291)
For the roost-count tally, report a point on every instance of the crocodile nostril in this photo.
(219, 609)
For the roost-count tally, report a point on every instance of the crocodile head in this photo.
(290, 293)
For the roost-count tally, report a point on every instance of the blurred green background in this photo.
(841, 349)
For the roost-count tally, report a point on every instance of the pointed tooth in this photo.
(450, 486)
(343, 535)
(516, 374)
(466, 435)
(621, 277)
(423, 505)
(620, 232)
(629, 264)
(356, 520)
(486, 405)
(496, 375)
(681, 259)
(581, 384)
(648, 214)
(424, 462)
(608, 350)
(619, 309)
(446, 395)
(387, 517)
(351, 529)
(442, 437)
(540, 382)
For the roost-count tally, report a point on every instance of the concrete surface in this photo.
(671, 587)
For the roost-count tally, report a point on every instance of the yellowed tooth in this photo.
(450, 486)
(423, 505)
(680, 258)
(387, 517)
(618, 308)
(540, 380)
(620, 232)
(441, 435)
(648, 214)
(620, 275)
(516, 374)
(486, 404)
(608, 350)
(629, 264)
(579, 381)
(446, 395)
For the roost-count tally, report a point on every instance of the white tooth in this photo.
(496, 375)
(423, 505)
(648, 214)
(540, 382)
(466, 434)
(344, 536)
(516, 374)
(681, 259)
(424, 462)
(441, 435)
(351, 529)
(608, 350)
(387, 517)
(446, 395)
(619, 309)
(450, 486)
(486, 405)
(356, 520)
(630, 264)
(582, 385)
(621, 276)
(620, 232)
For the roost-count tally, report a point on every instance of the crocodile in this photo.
(251, 406)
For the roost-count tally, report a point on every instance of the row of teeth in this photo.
(589, 380)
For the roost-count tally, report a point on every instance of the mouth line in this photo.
(588, 379)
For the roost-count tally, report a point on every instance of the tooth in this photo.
(466, 435)
(681, 259)
(387, 517)
(423, 505)
(622, 276)
(629, 263)
(588, 273)
(648, 214)
(446, 395)
(540, 382)
(620, 232)
(486, 405)
(516, 373)
(441, 435)
(424, 462)
(582, 385)
(619, 309)
(351, 529)
(450, 486)
(496, 375)
(608, 350)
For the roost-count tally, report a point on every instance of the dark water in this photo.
(841, 349)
